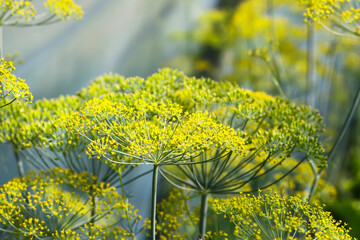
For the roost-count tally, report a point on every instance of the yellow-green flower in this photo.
(16, 11)
(64, 9)
(60, 204)
(344, 15)
(24, 12)
(11, 87)
(150, 132)
(269, 216)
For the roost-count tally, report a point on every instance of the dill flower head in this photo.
(159, 133)
(193, 94)
(61, 204)
(273, 131)
(17, 10)
(64, 9)
(24, 12)
(338, 16)
(31, 131)
(111, 84)
(27, 125)
(269, 216)
(12, 87)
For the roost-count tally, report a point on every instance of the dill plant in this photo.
(258, 41)
(60, 204)
(203, 136)
(150, 133)
(31, 131)
(273, 130)
(35, 138)
(245, 136)
(269, 216)
(110, 125)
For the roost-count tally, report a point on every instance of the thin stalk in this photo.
(1, 42)
(271, 184)
(277, 85)
(153, 201)
(203, 213)
(276, 75)
(315, 182)
(343, 130)
(345, 125)
(92, 210)
(19, 162)
(8, 102)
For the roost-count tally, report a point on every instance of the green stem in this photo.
(203, 213)
(19, 162)
(345, 125)
(92, 211)
(338, 140)
(153, 201)
(1, 42)
(276, 74)
(317, 175)
(8, 103)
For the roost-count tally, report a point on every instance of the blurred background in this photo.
(261, 45)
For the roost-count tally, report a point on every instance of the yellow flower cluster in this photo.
(11, 86)
(320, 10)
(269, 216)
(273, 129)
(23, 9)
(23, 12)
(32, 125)
(64, 9)
(344, 13)
(31, 131)
(154, 132)
(110, 84)
(64, 205)
(175, 219)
